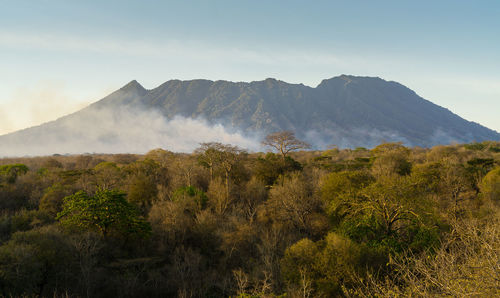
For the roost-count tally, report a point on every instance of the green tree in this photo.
(477, 168)
(340, 189)
(320, 268)
(191, 197)
(9, 173)
(142, 191)
(107, 174)
(394, 215)
(107, 212)
(391, 159)
(490, 186)
(51, 201)
(36, 263)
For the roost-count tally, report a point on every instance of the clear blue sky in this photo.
(57, 56)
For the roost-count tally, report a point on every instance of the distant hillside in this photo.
(347, 111)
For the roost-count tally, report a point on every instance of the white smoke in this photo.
(127, 129)
(119, 131)
(353, 137)
(442, 137)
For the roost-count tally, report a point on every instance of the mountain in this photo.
(348, 111)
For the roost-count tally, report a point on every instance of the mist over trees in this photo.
(391, 221)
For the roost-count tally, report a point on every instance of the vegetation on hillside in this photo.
(388, 222)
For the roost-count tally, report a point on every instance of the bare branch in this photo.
(284, 142)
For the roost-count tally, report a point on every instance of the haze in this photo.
(58, 56)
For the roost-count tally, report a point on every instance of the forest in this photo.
(391, 221)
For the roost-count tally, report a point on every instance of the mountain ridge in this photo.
(346, 110)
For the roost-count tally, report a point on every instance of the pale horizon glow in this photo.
(58, 57)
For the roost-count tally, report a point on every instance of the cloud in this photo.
(185, 49)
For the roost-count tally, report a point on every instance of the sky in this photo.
(58, 56)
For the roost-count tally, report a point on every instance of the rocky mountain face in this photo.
(347, 111)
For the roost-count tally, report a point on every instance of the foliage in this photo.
(9, 173)
(107, 212)
(390, 159)
(339, 189)
(490, 186)
(198, 197)
(221, 222)
(476, 146)
(52, 200)
(320, 268)
(142, 191)
(35, 262)
(465, 265)
(271, 166)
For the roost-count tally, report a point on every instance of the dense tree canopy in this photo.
(9, 173)
(391, 221)
(106, 211)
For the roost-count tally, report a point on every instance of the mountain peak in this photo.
(347, 79)
(134, 86)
